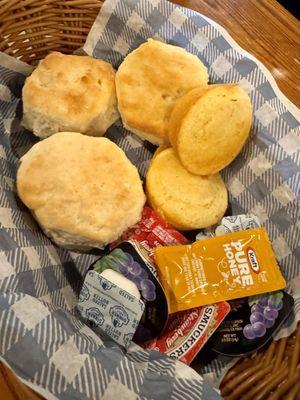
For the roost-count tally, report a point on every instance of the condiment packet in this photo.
(108, 308)
(251, 323)
(226, 267)
(196, 325)
(150, 232)
(188, 331)
(237, 223)
(205, 234)
(127, 259)
(230, 224)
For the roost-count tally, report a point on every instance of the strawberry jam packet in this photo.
(188, 331)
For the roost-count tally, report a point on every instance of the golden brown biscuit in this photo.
(185, 200)
(82, 190)
(213, 130)
(70, 93)
(149, 82)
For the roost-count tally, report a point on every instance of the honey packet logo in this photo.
(237, 264)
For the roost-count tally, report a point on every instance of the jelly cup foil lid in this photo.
(251, 323)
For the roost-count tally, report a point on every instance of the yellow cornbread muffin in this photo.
(209, 126)
(185, 200)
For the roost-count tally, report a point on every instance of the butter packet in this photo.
(127, 259)
(108, 308)
(230, 224)
(226, 267)
(237, 223)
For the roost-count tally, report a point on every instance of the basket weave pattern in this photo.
(30, 29)
(269, 374)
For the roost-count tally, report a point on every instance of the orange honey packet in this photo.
(226, 267)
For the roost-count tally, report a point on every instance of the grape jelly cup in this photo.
(251, 324)
(127, 259)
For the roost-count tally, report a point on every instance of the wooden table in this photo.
(263, 28)
(266, 30)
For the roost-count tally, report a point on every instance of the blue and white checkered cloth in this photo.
(40, 337)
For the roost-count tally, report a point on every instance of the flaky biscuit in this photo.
(213, 130)
(82, 190)
(185, 200)
(150, 81)
(70, 93)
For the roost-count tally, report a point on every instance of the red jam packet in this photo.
(150, 232)
(187, 331)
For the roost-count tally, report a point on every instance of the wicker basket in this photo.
(271, 374)
(30, 29)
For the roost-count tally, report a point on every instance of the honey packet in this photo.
(226, 267)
